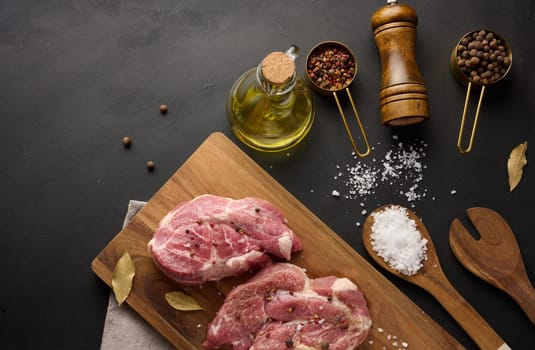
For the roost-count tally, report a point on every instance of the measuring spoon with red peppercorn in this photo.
(330, 68)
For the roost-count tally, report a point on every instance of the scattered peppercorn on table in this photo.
(104, 101)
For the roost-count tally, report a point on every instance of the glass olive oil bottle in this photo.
(269, 107)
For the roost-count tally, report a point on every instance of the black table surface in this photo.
(77, 76)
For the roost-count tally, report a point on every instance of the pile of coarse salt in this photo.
(396, 239)
(401, 167)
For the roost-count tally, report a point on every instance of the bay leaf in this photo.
(181, 301)
(123, 276)
(515, 164)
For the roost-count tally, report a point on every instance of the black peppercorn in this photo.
(150, 165)
(127, 141)
(482, 57)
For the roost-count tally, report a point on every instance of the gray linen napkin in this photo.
(123, 327)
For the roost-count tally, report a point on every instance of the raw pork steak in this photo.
(281, 308)
(212, 237)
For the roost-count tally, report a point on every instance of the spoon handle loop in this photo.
(359, 122)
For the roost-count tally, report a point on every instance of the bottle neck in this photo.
(274, 90)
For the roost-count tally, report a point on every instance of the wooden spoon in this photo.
(431, 278)
(495, 257)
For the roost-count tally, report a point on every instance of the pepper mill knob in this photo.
(403, 95)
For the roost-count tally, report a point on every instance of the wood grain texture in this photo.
(495, 257)
(219, 167)
(403, 95)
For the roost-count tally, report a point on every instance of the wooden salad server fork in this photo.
(495, 257)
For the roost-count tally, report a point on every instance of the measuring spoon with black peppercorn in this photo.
(481, 58)
(330, 68)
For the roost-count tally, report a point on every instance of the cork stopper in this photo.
(278, 68)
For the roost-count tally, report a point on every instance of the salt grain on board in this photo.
(396, 239)
(392, 341)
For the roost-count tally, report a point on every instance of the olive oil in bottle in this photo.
(269, 107)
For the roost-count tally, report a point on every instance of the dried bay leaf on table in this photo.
(515, 164)
(123, 276)
(182, 302)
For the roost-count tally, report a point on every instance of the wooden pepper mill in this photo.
(403, 95)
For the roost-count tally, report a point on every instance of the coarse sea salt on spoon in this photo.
(395, 238)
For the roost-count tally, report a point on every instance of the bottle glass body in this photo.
(267, 117)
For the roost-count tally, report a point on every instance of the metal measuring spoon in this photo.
(334, 90)
(470, 83)
(431, 278)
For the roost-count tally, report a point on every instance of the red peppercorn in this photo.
(330, 68)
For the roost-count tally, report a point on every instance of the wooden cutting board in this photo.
(219, 167)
